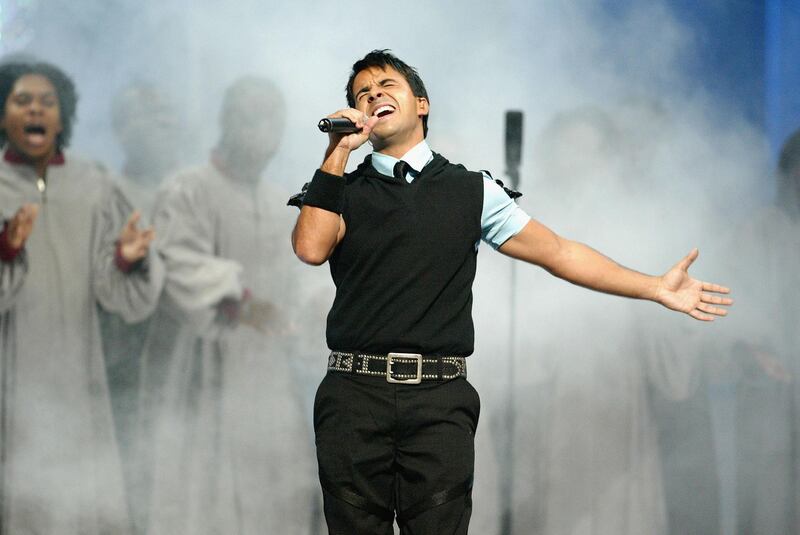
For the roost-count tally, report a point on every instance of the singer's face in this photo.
(386, 94)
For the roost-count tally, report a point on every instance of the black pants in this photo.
(386, 449)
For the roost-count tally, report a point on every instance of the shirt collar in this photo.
(14, 157)
(417, 158)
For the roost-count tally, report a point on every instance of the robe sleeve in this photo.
(198, 279)
(12, 276)
(133, 294)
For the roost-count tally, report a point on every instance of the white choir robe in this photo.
(762, 256)
(587, 451)
(60, 466)
(232, 448)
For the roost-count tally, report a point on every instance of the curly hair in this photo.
(65, 89)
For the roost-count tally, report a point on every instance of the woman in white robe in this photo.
(60, 467)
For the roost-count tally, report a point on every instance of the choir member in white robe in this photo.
(763, 342)
(65, 248)
(146, 127)
(233, 450)
(587, 454)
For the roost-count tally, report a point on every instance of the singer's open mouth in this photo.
(383, 111)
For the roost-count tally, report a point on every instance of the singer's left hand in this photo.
(679, 291)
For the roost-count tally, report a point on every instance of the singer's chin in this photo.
(378, 143)
(381, 130)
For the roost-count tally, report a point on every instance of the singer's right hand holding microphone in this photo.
(354, 140)
(318, 230)
(340, 145)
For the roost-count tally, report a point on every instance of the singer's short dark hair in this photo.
(382, 59)
(65, 89)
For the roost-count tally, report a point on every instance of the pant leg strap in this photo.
(354, 499)
(435, 500)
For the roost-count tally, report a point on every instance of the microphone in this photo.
(338, 125)
(513, 145)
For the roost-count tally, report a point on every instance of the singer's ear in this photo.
(422, 106)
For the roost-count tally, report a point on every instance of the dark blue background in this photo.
(747, 54)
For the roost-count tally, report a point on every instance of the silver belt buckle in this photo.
(408, 356)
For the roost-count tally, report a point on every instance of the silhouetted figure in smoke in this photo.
(146, 126)
(594, 461)
(401, 235)
(232, 451)
(70, 241)
(765, 254)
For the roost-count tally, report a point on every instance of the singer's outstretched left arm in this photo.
(582, 265)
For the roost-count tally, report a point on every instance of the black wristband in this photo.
(325, 191)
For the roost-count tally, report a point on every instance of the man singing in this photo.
(395, 418)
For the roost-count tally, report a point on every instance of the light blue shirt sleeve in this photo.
(501, 217)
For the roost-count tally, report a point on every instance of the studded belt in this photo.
(404, 368)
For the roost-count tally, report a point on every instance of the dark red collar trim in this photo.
(12, 156)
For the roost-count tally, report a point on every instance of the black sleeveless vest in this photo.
(404, 269)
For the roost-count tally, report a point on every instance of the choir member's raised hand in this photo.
(133, 241)
(21, 225)
(265, 317)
